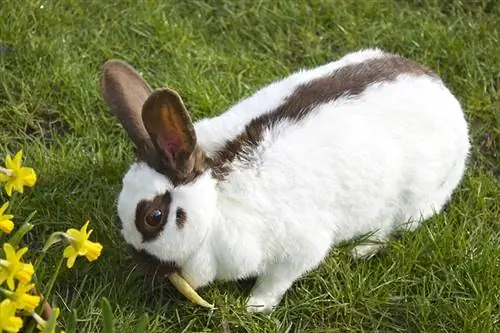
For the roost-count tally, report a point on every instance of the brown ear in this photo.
(125, 92)
(170, 128)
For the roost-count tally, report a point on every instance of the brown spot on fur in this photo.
(147, 221)
(152, 265)
(180, 218)
(350, 80)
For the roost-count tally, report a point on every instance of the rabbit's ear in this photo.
(125, 91)
(168, 123)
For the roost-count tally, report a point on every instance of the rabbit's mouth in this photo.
(156, 267)
(153, 265)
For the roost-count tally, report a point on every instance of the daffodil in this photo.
(11, 267)
(8, 320)
(81, 246)
(16, 176)
(22, 298)
(6, 224)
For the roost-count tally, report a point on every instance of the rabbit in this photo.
(370, 143)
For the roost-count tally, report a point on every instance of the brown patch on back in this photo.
(350, 80)
(180, 218)
(145, 209)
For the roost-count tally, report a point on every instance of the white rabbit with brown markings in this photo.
(370, 143)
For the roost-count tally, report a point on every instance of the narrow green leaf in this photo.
(26, 227)
(107, 315)
(51, 323)
(72, 322)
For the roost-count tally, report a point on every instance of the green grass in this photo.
(445, 277)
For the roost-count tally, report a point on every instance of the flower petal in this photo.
(3, 177)
(93, 250)
(8, 162)
(9, 250)
(20, 253)
(17, 184)
(6, 226)
(28, 176)
(17, 158)
(73, 233)
(6, 217)
(69, 251)
(71, 261)
(14, 324)
(29, 302)
(8, 188)
(10, 282)
(84, 228)
(25, 274)
(4, 208)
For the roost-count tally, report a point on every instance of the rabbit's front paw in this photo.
(258, 304)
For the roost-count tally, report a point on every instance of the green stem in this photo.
(12, 201)
(53, 239)
(46, 293)
(26, 227)
(52, 280)
(5, 292)
(50, 324)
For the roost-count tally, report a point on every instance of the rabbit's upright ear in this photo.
(171, 129)
(125, 92)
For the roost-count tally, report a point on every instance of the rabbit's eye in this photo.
(154, 219)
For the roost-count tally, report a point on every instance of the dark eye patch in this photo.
(180, 218)
(151, 216)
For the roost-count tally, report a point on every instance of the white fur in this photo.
(388, 158)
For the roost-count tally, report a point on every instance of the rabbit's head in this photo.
(167, 201)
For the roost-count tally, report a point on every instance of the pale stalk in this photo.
(5, 171)
(38, 319)
(185, 289)
(48, 325)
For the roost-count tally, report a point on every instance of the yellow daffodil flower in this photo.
(81, 246)
(18, 176)
(8, 320)
(11, 267)
(23, 299)
(6, 224)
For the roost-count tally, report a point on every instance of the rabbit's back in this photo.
(369, 159)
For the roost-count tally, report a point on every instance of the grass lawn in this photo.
(443, 278)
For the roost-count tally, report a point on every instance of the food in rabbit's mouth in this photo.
(186, 290)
